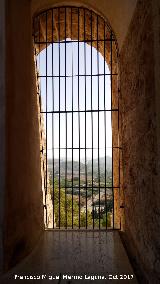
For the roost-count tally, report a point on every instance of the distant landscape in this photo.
(72, 184)
(82, 166)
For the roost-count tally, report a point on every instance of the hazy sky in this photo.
(72, 87)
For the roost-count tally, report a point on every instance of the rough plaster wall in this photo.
(142, 227)
(23, 196)
(118, 13)
(2, 123)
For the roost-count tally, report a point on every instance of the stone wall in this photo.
(139, 143)
(45, 185)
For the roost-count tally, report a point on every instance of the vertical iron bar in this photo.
(66, 131)
(46, 118)
(79, 127)
(72, 120)
(98, 121)
(52, 123)
(105, 118)
(119, 135)
(93, 210)
(41, 114)
(85, 116)
(112, 129)
(39, 58)
(119, 164)
(59, 120)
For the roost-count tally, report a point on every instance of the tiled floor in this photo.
(75, 254)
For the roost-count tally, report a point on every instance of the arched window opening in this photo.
(77, 72)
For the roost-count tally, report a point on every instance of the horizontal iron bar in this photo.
(83, 148)
(77, 111)
(81, 75)
(73, 41)
(82, 229)
(107, 187)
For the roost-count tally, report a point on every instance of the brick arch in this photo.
(56, 21)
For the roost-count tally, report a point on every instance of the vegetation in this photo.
(65, 207)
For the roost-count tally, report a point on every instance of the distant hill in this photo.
(63, 165)
(82, 165)
(101, 163)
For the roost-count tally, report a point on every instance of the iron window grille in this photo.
(65, 26)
